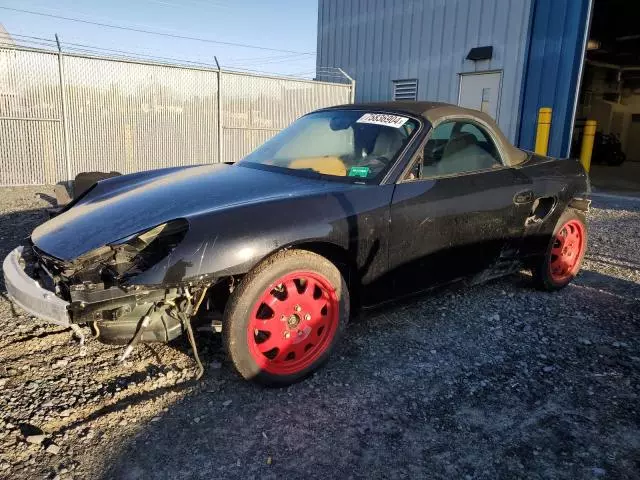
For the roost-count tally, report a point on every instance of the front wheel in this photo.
(284, 319)
(564, 255)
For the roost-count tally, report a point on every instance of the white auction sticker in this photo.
(385, 119)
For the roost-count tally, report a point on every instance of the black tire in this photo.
(616, 159)
(542, 276)
(244, 298)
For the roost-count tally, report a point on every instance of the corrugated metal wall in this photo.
(551, 80)
(130, 116)
(378, 41)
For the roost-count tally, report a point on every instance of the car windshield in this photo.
(340, 143)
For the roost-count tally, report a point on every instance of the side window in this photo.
(484, 140)
(435, 147)
(443, 132)
(459, 147)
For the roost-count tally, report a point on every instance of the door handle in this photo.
(525, 196)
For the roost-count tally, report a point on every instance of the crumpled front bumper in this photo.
(29, 295)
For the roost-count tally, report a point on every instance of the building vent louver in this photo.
(405, 89)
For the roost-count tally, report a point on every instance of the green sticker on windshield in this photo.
(359, 172)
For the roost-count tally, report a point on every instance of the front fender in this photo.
(232, 241)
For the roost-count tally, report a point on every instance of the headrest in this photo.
(388, 142)
(459, 142)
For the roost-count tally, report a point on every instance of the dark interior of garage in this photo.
(610, 95)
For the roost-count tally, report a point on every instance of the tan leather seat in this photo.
(325, 165)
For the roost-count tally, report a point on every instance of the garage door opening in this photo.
(610, 94)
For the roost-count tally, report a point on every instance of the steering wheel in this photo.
(377, 163)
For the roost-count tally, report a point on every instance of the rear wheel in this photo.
(616, 159)
(565, 252)
(284, 319)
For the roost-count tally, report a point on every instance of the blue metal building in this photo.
(506, 57)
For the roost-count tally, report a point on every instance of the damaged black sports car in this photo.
(349, 207)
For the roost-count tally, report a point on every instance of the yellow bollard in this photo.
(544, 127)
(587, 144)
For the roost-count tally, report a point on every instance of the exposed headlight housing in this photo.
(139, 252)
(124, 258)
(109, 265)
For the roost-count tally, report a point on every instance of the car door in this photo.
(457, 207)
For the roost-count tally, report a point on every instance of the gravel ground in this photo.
(494, 381)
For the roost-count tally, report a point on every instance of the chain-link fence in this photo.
(61, 114)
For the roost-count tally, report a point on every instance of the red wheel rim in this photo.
(566, 251)
(293, 323)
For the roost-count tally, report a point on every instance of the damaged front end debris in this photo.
(94, 289)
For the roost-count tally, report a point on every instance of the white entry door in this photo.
(481, 91)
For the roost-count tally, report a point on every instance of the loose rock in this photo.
(35, 439)
(53, 449)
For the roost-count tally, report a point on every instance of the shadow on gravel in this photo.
(5, 297)
(29, 337)
(613, 260)
(16, 227)
(129, 401)
(617, 203)
(607, 285)
(411, 393)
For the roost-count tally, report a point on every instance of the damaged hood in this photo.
(122, 206)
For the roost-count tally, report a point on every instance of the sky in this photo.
(279, 24)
